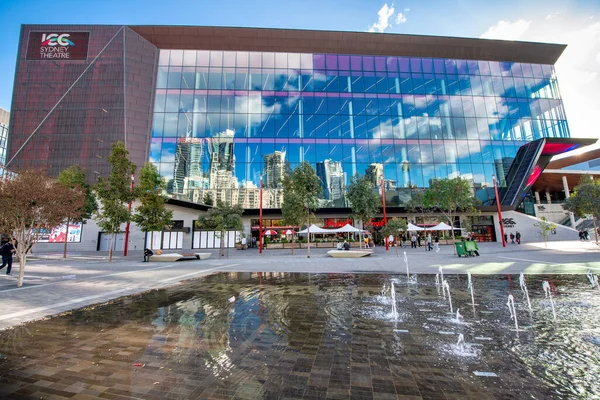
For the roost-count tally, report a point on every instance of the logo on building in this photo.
(57, 46)
(508, 222)
(54, 39)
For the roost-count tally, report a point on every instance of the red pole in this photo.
(127, 226)
(499, 212)
(260, 234)
(387, 245)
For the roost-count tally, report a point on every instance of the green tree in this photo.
(74, 177)
(304, 189)
(415, 204)
(222, 218)
(151, 215)
(31, 201)
(450, 196)
(585, 200)
(208, 200)
(292, 209)
(393, 226)
(545, 228)
(364, 201)
(114, 193)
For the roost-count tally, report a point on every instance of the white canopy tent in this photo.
(347, 228)
(412, 227)
(441, 227)
(316, 229)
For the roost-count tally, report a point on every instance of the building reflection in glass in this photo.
(224, 118)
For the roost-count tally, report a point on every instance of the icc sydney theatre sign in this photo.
(57, 45)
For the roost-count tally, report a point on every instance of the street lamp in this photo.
(260, 224)
(499, 211)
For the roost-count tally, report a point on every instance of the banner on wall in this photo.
(57, 234)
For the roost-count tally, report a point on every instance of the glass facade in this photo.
(224, 119)
(3, 140)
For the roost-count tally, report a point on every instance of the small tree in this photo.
(222, 218)
(394, 226)
(585, 200)
(74, 178)
(364, 201)
(415, 204)
(545, 228)
(292, 209)
(31, 201)
(115, 193)
(450, 196)
(305, 187)
(151, 215)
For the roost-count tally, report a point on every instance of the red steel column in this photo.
(499, 212)
(387, 245)
(260, 234)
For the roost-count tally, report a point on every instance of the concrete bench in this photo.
(169, 257)
(198, 256)
(349, 253)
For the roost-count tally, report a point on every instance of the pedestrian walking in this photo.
(436, 243)
(512, 238)
(419, 240)
(7, 251)
(413, 241)
(518, 237)
(429, 248)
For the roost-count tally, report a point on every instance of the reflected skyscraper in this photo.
(333, 181)
(274, 169)
(187, 173)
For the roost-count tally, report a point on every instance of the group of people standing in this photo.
(514, 238)
(432, 242)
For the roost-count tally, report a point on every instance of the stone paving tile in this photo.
(317, 339)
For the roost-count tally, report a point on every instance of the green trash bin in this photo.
(472, 248)
(460, 249)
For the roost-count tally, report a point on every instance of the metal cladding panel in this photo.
(68, 112)
(141, 58)
(332, 42)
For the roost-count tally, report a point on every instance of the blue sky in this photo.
(573, 22)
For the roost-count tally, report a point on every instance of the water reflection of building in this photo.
(333, 182)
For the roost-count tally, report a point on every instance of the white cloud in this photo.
(552, 16)
(577, 68)
(507, 30)
(384, 15)
(400, 18)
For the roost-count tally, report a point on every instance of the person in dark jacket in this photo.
(7, 251)
(147, 254)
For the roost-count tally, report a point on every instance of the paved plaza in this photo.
(54, 285)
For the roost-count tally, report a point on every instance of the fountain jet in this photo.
(524, 289)
(470, 287)
(548, 293)
(446, 287)
(513, 312)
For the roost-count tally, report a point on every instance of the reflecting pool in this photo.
(314, 336)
